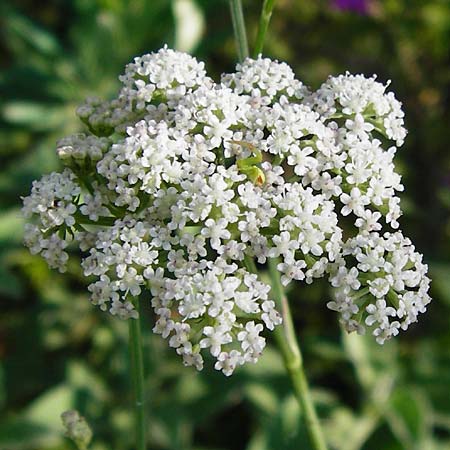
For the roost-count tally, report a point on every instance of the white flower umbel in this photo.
(366, 104)
(265, 81)
(53, 200)
(380, 282)
(360, 111)
(180, 185)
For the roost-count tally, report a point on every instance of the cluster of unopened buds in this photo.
(180, 185)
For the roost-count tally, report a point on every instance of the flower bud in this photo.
(77, 429)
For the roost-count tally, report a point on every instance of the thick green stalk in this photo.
(288, 345)
(240, 34)
(264, 19)
(137, 374)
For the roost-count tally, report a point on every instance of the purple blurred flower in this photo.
(360, 6)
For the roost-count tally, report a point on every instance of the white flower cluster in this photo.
(80, 148)
(53, 201)
(360, 112)
(386, 268)
(181, 185)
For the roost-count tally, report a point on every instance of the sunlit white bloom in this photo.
(181, 185)
(389, 283)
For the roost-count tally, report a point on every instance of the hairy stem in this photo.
(137, 374)
(240, 34)
(264, 19)
(288, 345)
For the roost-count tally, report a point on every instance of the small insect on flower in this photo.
(248, 166)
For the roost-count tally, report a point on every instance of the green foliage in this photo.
(59, 353)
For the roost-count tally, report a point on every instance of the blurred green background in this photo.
(58, 352)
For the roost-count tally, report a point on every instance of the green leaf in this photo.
(22, 27)
(409, 416)
(439, 273)
(11, 222)
(36, 116)
(40, 424)
(262, 396)
(286, 430)
(406, 405)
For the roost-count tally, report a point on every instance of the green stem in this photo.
(101, 221)
(240, 35)
(250, 264)
(266, 14)
(137, 374)
(288, 345)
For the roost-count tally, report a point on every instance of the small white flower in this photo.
(354, 202)
(215, 338)
(216, 231)
(250, 339)
(284, 245)
(227, 362)
(358, 126)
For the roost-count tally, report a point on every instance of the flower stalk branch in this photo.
(240, 33)
(290, 350)
(137, 374)
(266, 14)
